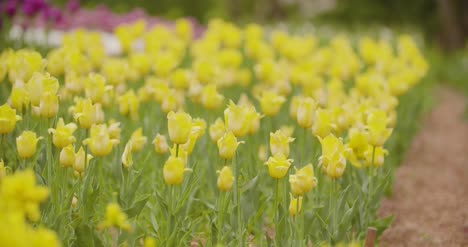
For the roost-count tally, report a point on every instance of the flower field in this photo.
(244, 136)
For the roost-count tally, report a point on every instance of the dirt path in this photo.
(430, 199)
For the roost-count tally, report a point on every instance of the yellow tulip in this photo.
(262, 153)
(323, 123)
(138, 140)
(294, 106)
(180, 126)
(67, 156)
(115, 217)
(279, 143)
(210, 98)
(294, 208)
(225, 179)
(174, 170)
(271, 103)
(227, 145)
(358, 141)
(305, 112)
(278, 165)
(81, 164)
(19, 98)
(235, 118)
(95, 87)
(379, 156)
(129, 104)
(86, 113)
(253, 118)
(333, 159)
(40, 84)
(160, 144)
(63, 134)
(127, 157)
(377, 122)
(26, 144)
(217, 130)
(303, 181)
(8, 119)
(99, 141)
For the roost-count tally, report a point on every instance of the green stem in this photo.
(277, 187)
(177, 151)
(239, 216)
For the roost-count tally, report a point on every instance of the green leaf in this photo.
(136, 208)
(383, 224)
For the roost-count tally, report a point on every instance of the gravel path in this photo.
(430, 199)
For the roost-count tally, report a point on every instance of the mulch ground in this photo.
(430, 196)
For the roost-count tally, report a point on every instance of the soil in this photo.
(430, 196)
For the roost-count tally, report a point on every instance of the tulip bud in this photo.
(127, 158)
(225, 179)
(294, 208)
(26, 144)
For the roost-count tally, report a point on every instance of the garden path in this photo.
(430, 196)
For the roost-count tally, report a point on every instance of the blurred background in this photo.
(441, 21)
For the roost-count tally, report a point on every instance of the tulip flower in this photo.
(271, 103)
(377, 122)
(333, 156)
(26, 144)
(127, 158)
(225, 179)
(303, 181)
(279, 143)
(278, 165)
(138, 140)
(295, 206)
(217, 130)
(180, 126)
(39, 85)
(227, 145)
(81, 162)
(160, 144)
(63, 134)
(174, 170)
(210, 98)
(235, 118)
(305, 112)
(323, 123)
(115, 217)
(99, 141)
(67, 156)
(8, 119)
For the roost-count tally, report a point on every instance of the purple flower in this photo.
(32, 7)
(73, 5)
(52, 14)
(11, 7)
